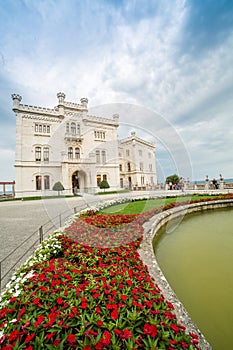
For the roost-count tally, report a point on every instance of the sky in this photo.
(164, 65)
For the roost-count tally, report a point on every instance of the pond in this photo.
(196, 257)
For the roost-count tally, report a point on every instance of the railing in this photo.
(20, 254)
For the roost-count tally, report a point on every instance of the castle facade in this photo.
(67, 144)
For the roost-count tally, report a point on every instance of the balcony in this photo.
(69, 137)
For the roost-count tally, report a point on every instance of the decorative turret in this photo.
(16, 101)
(84, 102)
(115, 117)
(61, 97)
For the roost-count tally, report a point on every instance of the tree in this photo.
(58, 187)
(104, 184)
(174, 179)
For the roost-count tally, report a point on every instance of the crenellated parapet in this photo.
(97, 120)
(77, 106)
(58, 111)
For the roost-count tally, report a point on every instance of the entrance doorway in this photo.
(75, 182)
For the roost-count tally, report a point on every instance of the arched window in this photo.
(70, 152)
(46, 154)
(38, 183)
(38, 154)
(73, 128)
(77, 153)
(98, 179)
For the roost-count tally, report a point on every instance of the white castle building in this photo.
(66, 144)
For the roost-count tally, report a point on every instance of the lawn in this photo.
(139, 206)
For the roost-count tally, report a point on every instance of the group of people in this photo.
(179, 186)
(215, 183)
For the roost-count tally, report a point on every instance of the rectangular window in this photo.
(73, 128)
(46, 154)
(129, 166)
(77, 153)
(150, 167)
(142, 180)
(38, 183)
(100, 135)
(46, 182)
(127, 152)
(48, 129)
(103, 157)
(141, 166)
(121, 182)
(44, 129)
(70, 153)
(36, 127)
(38, 154)
(120, 166)
(97, 157)
(40, 128)
(152, 180)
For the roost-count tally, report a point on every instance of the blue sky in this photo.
(171, 61)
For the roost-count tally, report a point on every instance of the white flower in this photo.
(13, 321)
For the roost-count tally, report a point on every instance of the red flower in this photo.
(71, 338)
(59, 301)
(50, 335)
(193, 335)
(14, 335)
(174, 328)
(39, 320)
(106, 340)
(83, 306)
(22, 312)
(87, 347)
(57, 342)
(114, 314)
(29, 338)
(184, 345)
(150, 329)
(127, 334)
(36, 301)
(99, 323)
(118, 331)
(26, 324)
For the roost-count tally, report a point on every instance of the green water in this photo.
(196, 256)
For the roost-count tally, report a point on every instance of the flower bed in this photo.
(86, 288)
